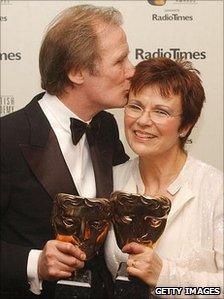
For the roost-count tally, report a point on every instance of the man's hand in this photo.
(143, 263)
(59, 259)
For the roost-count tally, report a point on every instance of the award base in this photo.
(127, 287)
(77, 287)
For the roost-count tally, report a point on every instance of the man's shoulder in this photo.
(108, 124)
(17, 122)
(20, 113)
(12, 120)
(106, 116)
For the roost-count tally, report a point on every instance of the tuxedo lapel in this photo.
(101, 152)
(46, 161)
(103, 171)
(43, 154)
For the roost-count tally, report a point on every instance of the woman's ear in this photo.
(185, 130)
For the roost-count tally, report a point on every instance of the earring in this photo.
(182, 135)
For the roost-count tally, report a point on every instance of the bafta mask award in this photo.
(157, 2)
(83, 222)
(140, 219)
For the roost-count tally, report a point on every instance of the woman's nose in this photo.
(145, 119)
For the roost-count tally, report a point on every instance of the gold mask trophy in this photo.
(140, 219)
(157, 2)
(83, 222)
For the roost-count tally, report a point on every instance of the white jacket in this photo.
(191, 246)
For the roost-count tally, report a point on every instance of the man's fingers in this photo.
(71, 249)
(65, 268)
(70, 260)
(59, 259)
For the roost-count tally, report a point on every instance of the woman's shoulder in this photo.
(205, 168)
(123, 172)
(204, 174)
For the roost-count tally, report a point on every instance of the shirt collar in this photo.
(181, 179)
(180, 184)
(174, 187)
(61, 112)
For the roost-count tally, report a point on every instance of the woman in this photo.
(164, 105)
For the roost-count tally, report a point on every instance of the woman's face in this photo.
(155, 131)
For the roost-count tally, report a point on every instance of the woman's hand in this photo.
(143, 263)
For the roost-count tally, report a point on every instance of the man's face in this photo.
(110, 86)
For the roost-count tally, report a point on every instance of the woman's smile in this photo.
(143, 135)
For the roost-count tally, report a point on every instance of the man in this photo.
(84, 69)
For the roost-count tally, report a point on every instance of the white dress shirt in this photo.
(191, 246)
(77, 158)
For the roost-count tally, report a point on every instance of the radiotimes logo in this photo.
(171, 17)
(5, 2)
(157, 2)
(172, 53)
(10, 56)
(3, 18)
(7, 104)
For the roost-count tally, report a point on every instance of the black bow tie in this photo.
(78, 128)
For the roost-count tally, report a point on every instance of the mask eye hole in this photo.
(68, 222)
(96, 224)
(125, 219)
(153, 222)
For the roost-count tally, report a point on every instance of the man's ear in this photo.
(77, 77)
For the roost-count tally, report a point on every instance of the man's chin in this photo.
(118, 103)
(125, 101)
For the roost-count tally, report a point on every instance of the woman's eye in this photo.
(134, 107)
(161, 113)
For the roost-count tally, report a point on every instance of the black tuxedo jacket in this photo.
(33, 171)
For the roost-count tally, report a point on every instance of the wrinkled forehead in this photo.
(112, 42)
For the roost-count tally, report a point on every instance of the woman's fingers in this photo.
(134, 248)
